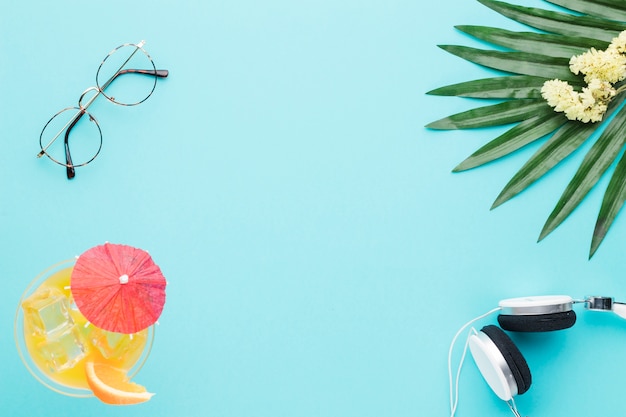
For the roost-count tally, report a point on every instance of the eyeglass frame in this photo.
(82, 109)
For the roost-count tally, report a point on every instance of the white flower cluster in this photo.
(589, 105)
(601, 69)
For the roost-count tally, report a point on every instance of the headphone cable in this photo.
(454, 383)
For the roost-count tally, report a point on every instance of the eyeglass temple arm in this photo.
(162, 73)
(155, 73)
(69, 167)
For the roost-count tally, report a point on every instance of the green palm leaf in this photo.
(528, 59)
(565, 141)
(513, 86)
(612, 203)
(516, 62)
(515, 138)
(557, 22)
(497, 114)
(596, 162)
(549, 44)
(609, 9)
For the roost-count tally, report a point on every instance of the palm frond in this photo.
(515, 138)
(608, 9)
(494, 115)
(528, 59)
(516, 62)
(565, 141)
(601, 155)
(557, 22)
(512, 86)
(550, 44)
(612, 203)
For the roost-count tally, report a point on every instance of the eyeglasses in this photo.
(127, 76)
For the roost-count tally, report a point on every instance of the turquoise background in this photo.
(319, 252)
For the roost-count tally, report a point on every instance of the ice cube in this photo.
(62, 350)
(110, 344)
(46, 312)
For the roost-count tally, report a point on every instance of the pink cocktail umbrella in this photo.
(118, 288)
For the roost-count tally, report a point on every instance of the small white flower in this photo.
(589, 105)
(609, 65)
(619, 43)
(601, 69)
(601, 90)
(557, 93)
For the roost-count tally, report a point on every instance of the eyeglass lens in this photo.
(127, 76)
(86, 138)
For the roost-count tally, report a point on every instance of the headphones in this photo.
(499, 361)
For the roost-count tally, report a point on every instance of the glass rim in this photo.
(44, 149)
(31, 366)
(139, 47)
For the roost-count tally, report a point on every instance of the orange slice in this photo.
(112, 386)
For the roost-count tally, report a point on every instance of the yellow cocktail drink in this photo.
(60, 341)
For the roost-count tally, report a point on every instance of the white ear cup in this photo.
(620, 309)
(542, 304)
(493, 366)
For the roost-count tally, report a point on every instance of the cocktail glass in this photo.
(55, 341)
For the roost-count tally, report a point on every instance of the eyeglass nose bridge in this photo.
(91, 100)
